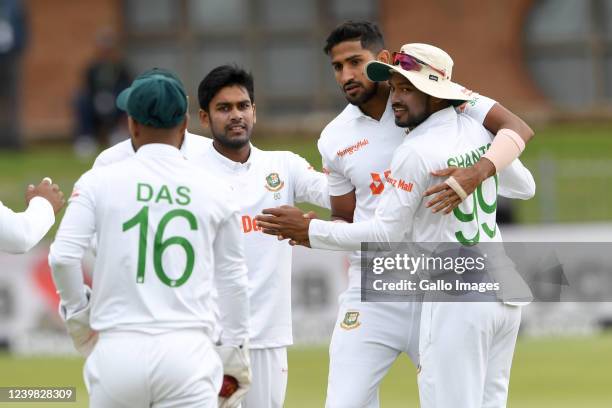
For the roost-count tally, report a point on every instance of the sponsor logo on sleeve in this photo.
(472, 102)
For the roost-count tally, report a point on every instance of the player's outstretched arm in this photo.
(19, 232)
(512, 133)
(392, 219)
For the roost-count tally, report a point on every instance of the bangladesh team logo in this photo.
(351, 320)
(273, 182)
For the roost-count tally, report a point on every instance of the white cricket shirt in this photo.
(167, 234)
(445, 138)
(267, 179)
(357, 150)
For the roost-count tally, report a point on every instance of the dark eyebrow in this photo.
(355, 56)
(349, 58)
(225, 104)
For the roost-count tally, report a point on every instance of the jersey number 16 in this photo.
(160, 245)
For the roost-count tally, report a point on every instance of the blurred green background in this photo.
(571, 163)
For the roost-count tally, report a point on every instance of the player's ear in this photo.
(384, 56)
(204, 118)
(254, 114)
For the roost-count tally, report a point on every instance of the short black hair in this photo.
(366, 31)
(220, 77)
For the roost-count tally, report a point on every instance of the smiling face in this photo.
(230, 116)
(348, 60)
(410, 106)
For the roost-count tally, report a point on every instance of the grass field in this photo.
(572, 165)
(547, 373)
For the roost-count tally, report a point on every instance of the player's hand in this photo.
(83, 336)
(311, 215)
(237, 364)
(49, 191)
(468, 178)
(286, 221)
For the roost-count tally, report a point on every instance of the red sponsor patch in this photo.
(401, 184)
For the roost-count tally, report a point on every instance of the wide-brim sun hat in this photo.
(427, 67)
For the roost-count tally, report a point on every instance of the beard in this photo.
(231, 142)
(363, 97)
(411, 122)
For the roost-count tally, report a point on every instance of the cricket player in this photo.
(465, 349)
(356, 148)
(167, 234)
(259, 179)
(19, 232)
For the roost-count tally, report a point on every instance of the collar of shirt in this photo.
(354, 112)
(233, 165)
(445, 115)
(159, 149)
(183, 148)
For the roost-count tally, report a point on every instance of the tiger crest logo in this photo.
(351, 320)
(273, 182)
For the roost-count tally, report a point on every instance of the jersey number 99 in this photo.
(479, 204)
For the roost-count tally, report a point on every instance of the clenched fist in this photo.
(49, 191)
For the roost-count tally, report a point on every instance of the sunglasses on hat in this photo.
(410, 63)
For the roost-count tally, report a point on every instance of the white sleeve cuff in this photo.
(316, 231)
(335, 236)
(44, 208)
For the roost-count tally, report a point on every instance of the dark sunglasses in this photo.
(410, 63)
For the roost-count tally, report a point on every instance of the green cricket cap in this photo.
(156, 98)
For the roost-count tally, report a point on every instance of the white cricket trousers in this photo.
(367, 339)
(466, 353)
(269, 378)
(169, 370)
